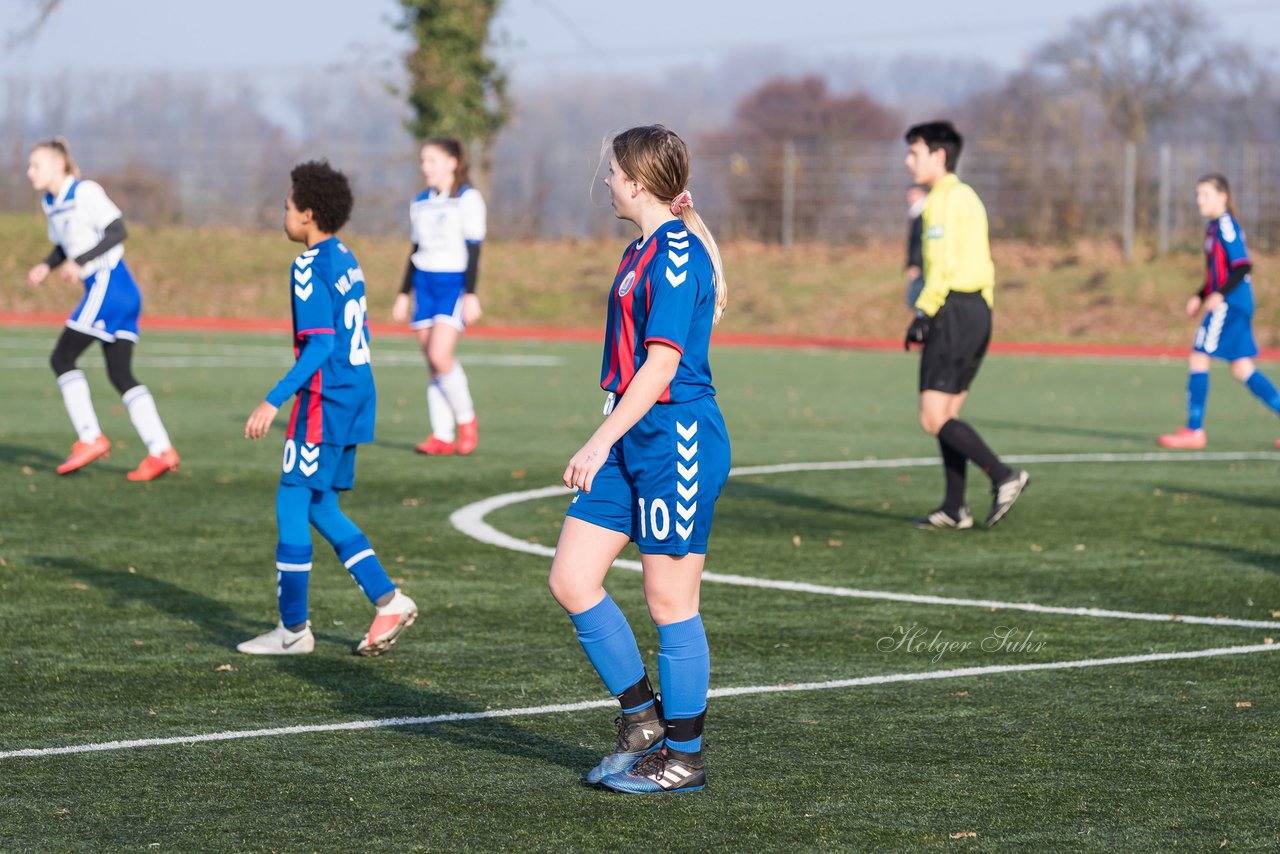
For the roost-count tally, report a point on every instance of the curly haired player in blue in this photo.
(652, 471)
(1227, 299)
(448, 222)
(88, 233)
(332, 414)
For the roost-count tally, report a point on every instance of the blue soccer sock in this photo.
(1197, 396)
(351, 545)
(610, 645)
(1264, 390)
(366, 570)
(684, 675)
(293, 573)
(293, 553)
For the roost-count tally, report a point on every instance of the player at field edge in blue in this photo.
(1226, 332)
(333, 412)
(439, 289)
(88, 233)
(652, 471)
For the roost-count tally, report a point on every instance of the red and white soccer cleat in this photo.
(435, 447)
(83, 453)
(468, 436)
(392, 619)
(1185, 439)
(155, 465)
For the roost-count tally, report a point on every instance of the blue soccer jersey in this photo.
(664, 292)
(1224, 250)
(336, 404)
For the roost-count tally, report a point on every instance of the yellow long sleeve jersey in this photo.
(957, 252)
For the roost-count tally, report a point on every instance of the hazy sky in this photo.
(551, 39)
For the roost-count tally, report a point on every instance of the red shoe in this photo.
(1185, 439)
(83, 453)
(435, 447)
(468, 436)
(155, 465)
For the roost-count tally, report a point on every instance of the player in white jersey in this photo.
(439, 290)
(88, 234)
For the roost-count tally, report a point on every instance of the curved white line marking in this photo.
(527, 711)
(470, 520)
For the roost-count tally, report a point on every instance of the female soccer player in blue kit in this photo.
(1227, 299)
(448, 222)
(333, 413)
(652, 471)
(88, 234)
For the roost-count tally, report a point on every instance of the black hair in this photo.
(937, 135)
(324, 191)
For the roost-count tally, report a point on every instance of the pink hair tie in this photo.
(682, 201)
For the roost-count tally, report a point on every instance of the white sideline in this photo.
(528, 711)
(470, 520)
(394, 359)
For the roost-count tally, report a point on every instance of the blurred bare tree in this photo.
(1141, 60)
(818, 129)
(40, 12)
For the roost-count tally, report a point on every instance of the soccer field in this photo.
(874, 686)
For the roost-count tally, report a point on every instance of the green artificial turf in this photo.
(121, 604)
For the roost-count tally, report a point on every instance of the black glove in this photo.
(917, 331)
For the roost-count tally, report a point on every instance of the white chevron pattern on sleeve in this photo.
(676, 259)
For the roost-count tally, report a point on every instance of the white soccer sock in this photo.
(75, 394)
(146, 420)
(442, 421)
(455, 388)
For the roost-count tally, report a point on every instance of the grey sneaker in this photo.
(940, 518)
(639, 734)
(1006, 492)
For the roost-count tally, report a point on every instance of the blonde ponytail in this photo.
(659, 159)
(694, 223)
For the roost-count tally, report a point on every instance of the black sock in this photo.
(953, 467)
(959, 435)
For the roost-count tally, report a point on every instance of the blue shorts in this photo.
(437, 298)
(318, 467)
(110, 307)
(1226, 333)
(660, 483)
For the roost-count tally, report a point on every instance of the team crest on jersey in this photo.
(625, 287)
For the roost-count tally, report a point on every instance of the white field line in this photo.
(561, 708)
(381, 359)
(470, 520)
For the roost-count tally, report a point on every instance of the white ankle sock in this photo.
(146, 420)
(75, 394)
(441, 413)
(455, 388)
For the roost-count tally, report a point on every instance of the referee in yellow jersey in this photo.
(953, 323)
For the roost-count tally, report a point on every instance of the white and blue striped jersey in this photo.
(443, 226)
(78, 217)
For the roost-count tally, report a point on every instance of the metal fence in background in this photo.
(777, 192)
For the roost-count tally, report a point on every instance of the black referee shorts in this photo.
(957, 342)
